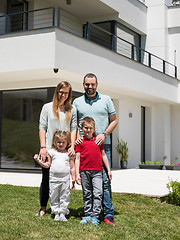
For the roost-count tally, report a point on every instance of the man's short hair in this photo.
(90, 75)
(87, 120)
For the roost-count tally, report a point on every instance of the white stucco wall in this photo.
(175, 134)
(131, 12)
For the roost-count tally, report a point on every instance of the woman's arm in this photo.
(43, 150)
(71, 151)
(106, 163)
(46, 164)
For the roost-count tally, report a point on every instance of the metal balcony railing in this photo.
(49, 17)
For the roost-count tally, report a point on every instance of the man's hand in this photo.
(100, 139)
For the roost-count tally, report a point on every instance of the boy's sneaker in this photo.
(109, 220)
(85, 219)
(56, 218)
(62, 217)
(95, 221)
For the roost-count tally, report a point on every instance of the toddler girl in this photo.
(61, 165)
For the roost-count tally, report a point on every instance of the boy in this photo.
(89, 163)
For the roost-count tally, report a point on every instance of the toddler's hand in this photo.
(36, 157)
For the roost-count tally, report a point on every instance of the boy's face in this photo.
(88, 130)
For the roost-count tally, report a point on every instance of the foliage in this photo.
(136, 217)
(175, 1)
(122, 150)
(151, 163)
(174, 192)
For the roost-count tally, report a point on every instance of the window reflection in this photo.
(20, 120)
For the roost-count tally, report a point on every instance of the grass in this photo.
(136, 217)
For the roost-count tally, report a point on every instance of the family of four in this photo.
(83, 152)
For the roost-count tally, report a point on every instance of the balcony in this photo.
(62, 19)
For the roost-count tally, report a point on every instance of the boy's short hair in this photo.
(87, 120)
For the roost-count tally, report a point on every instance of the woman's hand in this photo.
(43, 154)
(79, 140)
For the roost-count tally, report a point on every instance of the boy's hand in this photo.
(110, 175)
(78, 180)
(73, 185)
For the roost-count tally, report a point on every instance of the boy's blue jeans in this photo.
(91, 182)
(108, 209)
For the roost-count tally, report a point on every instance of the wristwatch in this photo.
(105, 134)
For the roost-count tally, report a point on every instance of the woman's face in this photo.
(63, 94)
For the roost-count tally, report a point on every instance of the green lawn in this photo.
(136, 217)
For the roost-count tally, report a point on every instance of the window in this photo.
(19, 133)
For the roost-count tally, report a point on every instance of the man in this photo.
(101, 109)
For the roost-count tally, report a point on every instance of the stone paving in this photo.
(139, 181)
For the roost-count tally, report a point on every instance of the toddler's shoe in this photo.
(56, 218)
(95, 221)
(86, 219)
(62, 217)
(109, 220)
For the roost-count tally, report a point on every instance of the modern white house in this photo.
(131, 45)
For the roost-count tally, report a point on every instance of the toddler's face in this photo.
(61, 144)
(88, 130)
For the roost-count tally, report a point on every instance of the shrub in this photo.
(174, 192)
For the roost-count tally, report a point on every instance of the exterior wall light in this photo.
(130, 115)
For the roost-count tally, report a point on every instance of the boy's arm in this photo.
(106, 163)
(46, 164)
(77, 164)
(72, 170)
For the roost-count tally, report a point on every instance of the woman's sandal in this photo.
(41, 212)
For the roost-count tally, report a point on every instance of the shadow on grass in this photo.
(79, 213)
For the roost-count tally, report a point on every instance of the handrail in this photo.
(87, 30)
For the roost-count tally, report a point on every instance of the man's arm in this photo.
(113, 123)
(106, 163)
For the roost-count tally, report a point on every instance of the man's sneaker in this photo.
(56, 218)
(85, 219)
(95, 221)
(62, 218)
(109, 220)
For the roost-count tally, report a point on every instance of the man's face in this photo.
(90, 86)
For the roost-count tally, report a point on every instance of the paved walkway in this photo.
(140, 181)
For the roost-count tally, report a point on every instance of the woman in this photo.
(56, 115)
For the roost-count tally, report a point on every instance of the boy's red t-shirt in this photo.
(90, 155)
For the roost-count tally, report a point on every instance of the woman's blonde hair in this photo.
(61, 134)
(67, 103)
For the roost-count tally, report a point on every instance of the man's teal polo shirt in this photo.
(99, 109)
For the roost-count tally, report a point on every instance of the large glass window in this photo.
(20, 117)
(19, 132)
